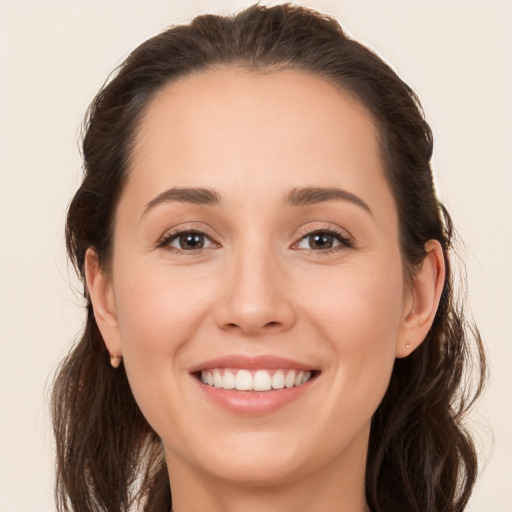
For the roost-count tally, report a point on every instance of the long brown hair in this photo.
(420, 456)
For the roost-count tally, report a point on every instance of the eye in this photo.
(323, 240)
(188, 241)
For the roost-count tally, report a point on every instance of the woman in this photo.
(271, 321)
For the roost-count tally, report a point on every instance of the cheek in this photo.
(360, 316)
(157, 310)
(158, 314)
(358, 308)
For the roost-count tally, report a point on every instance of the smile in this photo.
(254, 385)
(254, 380)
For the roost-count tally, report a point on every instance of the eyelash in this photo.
(165, 242)
(345, 241)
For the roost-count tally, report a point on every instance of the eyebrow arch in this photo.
(204, 196)
(313, 195)
(296, 197)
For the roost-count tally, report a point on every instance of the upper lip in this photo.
(240, 361)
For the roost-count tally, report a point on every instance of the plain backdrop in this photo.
(54, 56)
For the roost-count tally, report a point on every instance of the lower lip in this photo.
(254, 402)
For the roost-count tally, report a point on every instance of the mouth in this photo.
(260, 380)
(254, 385)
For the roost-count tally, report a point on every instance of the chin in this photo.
(251, 459)
(264, 471)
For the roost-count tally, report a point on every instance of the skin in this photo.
(260, 287)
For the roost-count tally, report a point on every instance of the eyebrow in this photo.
(314, 195)
(204, 196)
(295, 197)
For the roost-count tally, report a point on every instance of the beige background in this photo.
(54, 56)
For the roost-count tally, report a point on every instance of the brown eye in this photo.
(189, 241)
(321, 241)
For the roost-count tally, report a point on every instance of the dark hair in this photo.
(420, 457)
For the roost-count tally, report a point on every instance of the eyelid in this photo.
(344, 237)
(170, 234)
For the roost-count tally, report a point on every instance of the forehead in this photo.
(246, 129)
(264, 107)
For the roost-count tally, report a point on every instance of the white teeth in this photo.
(243, 380)
(278, 380)
(262, 381)
(289, 381)
(217, 379)
(228, 381)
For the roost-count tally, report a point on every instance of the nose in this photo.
(255, 299)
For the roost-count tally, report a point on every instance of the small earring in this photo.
(115, 361)
(408, 346)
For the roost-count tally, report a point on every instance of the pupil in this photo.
(321, 241)
(192, 241)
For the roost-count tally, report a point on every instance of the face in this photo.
(256, 247)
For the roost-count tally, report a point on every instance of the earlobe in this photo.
(425, 293)
(99, 287)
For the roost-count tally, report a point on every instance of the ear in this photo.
(422, 299)
(99, 286)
